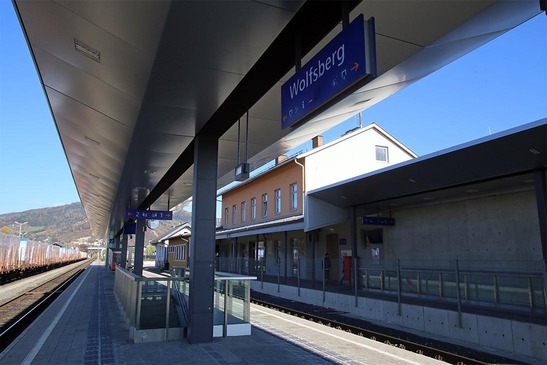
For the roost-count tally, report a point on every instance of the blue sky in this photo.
(499, 86)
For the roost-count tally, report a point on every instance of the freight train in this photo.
(21, 258)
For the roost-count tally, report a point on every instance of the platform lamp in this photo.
(20, 228)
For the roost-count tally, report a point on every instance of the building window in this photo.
(180, 253)
(294, 196)
(234, 214)
(226, 216)
(243, 212)
(265, 205)
(278, 201)
(381, 154)
(253, 209)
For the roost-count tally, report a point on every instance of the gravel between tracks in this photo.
(14, 289)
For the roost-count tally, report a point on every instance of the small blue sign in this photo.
(379, 221)
(149, 214)
(339, 65)
(129, 228)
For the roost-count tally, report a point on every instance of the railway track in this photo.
(434, 349)
(18, 313)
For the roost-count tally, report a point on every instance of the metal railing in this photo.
(518, 286)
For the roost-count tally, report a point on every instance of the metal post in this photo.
(323, 267)
(286, 253)
(399, 286)
(262, 273)
(167, 309)
(225, 326)
(466, 287)
(138, 304)
(278, 274)
(313, 254)
(353, 233)
(530, 293)
(355, 278)
(458, 294)
(441, 285)
(298, 273)
(496, 299)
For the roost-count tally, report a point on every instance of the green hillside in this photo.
(63, 224)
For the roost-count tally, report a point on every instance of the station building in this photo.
(172, 249)
(452, 243)
(264, 218)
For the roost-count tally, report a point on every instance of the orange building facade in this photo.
(262, 223)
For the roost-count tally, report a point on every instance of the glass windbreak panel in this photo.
(409, 282)
(374, 279)
(154, 303)
(449, 285)
(429, 283)
(513, 290)
(479, 287)
(218, 315)
(538, 296)
(390, 280)
(238, 301)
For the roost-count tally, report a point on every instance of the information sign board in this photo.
(148, 214)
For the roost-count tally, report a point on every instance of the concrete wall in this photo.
(501, 227)
(476, 331)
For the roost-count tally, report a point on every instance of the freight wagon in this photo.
(21, 258)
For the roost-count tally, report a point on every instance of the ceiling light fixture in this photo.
(412, 181)
(150, 171)
(534, 151)
(89, 139)
(362, 101)
(87, 51)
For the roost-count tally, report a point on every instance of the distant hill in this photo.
(68, 223)
(63, 224)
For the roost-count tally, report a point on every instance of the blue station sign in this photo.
(149, 214)
(379, 221)
(341, 64)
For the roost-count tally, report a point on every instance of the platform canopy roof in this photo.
(497, 164)
(130, 84)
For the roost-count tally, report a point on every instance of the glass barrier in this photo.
(232, 301)
(155, 306)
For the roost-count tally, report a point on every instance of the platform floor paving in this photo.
(85, 326)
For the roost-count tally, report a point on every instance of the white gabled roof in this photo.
(183, 230)
(354, 133)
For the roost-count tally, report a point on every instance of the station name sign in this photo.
(349, 59)
(379, 221)
(149, 214)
